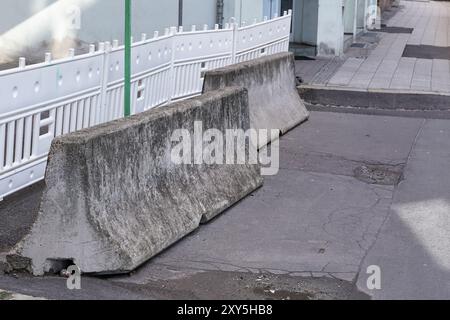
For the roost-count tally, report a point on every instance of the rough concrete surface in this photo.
(273, 99)
(113, 197)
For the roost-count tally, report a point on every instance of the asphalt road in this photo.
(353, 191)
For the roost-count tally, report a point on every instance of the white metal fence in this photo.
(42, 101)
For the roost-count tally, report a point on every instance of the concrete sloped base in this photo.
(114, 198)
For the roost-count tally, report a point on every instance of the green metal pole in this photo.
(127, 99)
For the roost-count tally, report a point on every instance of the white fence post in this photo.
(22, 63)
(48, 57)
(106, 48)
(173, 34)
(234, 25)
(288, 42)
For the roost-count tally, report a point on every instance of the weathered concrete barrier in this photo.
(114, 198)
(273, 97)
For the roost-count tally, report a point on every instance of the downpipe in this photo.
(219, 13)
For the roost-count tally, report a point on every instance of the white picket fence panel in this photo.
(42, 101)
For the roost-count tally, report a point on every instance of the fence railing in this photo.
(42, 101)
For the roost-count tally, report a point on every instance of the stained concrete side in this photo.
(273, 97)
(113, 198)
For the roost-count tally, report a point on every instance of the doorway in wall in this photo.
(287, 5)
(354, 20)
(349, 20)
(361, 16)
(271, 8)
(304, 26)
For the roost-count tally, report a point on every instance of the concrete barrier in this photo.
(114, 198)
(273, 97)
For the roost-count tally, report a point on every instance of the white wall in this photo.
(349, 16)
(361, 18)
(297, 21)
(330, 35)
(322, 22)
(271, 7)
(28, 26)
(244, 10)
(310, 21)
(199, 12)
(305, 19)
(373, 15)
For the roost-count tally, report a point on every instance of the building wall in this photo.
(271, 8)
(362, 10)
(349, 15)
(305, 20)
(385, 4)
(310, 21)
(354, 15)
(323, 22)
(373, 19)
(244, 10)
(199, 12)
(251, 10)
(330, 34)
(31, 26)
(33, 20)
(297, 21)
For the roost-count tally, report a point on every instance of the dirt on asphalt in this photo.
(220, 285)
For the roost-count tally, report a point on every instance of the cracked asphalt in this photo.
(352, 191)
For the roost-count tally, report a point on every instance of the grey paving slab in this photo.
(421, 79)
(403, 74)
(440, 80)
(345, 74)
(370, 65)
(341, 78)
(441, 34)
(309, 68)
(386, 67)
(384, 74)
(317, 71)
(361, 80)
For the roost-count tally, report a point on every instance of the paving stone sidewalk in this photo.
(384, 67)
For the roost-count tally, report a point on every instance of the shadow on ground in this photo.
(17, 213)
